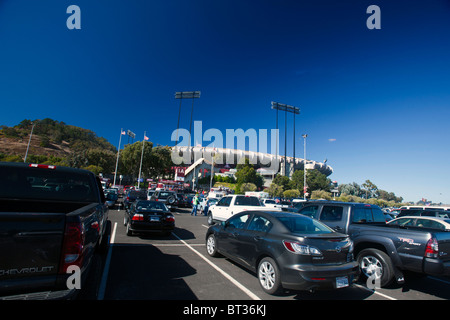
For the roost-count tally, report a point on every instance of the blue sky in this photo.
(375, 103)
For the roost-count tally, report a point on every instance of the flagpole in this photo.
(117, 161)
(142, 154)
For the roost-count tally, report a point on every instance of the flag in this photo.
(123, 133)
(145, 137)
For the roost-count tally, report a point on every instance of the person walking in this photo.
(194, 205)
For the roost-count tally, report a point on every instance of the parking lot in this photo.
(177, 267)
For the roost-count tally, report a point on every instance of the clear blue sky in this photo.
(381, 96)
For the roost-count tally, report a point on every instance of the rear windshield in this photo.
(247, 201)
(151, 205)
(47, 184)
(302, 224)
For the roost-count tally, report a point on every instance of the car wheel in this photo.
(210, 219)
(211, 246)
(129, 232)
(375, 263)
(269, 276)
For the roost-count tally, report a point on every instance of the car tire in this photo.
(129, 232)
(269, 276)
(211, 246)
(372, 261)
(210, 219)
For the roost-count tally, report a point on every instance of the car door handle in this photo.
(257, 238)
(235, 234)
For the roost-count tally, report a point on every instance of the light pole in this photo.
(29, 141)
(286, 108)
(186, 95)
(304, 166)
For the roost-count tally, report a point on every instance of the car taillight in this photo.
(432, 249)
(170, 218)
(73, 244)
(138, 217)
(299, 248)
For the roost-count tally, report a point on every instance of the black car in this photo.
(286, 250)
(132, 196)
(148, 216)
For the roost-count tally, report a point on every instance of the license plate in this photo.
(341, 282)
(155, 219)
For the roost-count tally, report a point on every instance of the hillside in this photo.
(55, 142)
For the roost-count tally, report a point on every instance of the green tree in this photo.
(275, 190)
(293, 193)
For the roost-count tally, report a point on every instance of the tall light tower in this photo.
(186, 95)
(304, 166)
(286, 108)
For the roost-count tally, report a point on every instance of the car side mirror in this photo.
(224, 224)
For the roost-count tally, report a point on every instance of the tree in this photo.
(246, 173)
(369, 188)
(248, 187)
(321, 194)
(293, 193)
(275, 190)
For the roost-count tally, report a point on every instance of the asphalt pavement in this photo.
(177, 267)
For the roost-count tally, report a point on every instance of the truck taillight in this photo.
(432, 248)
(73, 244)
(42, 166)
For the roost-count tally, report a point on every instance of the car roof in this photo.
(360, 204)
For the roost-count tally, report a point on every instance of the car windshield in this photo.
(151, 205)
(247, 201)
(302, 224)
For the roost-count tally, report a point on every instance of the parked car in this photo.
(270, 203)
(52, 218)
(111, 195)
(169, 198)
(424, 212)
(234, 204)
(286, 250)
(132, 196)
(148, 216)
(385, 250)
(435, 223)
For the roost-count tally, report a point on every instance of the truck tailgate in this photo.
(30, 247)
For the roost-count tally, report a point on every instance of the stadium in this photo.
(199, 161)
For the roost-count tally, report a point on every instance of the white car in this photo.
(270, 203)
(234, 204)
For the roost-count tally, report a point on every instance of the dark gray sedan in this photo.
(286, 250)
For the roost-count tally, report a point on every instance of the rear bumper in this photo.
(142, 226)
(436, 267)
(44, 295)
(307, 277)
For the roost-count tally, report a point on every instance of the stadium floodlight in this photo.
(286, 108)
(186, 95)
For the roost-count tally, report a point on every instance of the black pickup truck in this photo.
(384, 250)
(52, 221)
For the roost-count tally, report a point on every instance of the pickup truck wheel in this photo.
(373, 262)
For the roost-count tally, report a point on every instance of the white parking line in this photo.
(226, 275)
(101, 291)
(375, 292)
